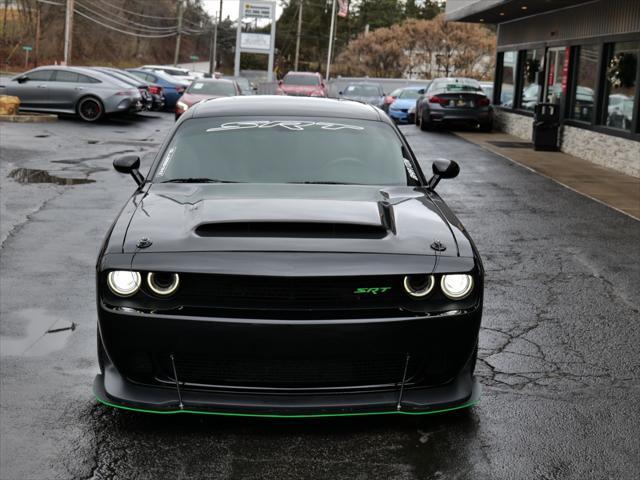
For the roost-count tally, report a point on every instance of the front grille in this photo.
(290, 293)
(290, 373)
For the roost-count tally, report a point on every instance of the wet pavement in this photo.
(559, 357)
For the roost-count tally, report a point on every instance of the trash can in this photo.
(546, 123)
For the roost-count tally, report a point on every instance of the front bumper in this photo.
(126, 334)
(399, 116)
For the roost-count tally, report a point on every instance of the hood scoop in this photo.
(291, 230)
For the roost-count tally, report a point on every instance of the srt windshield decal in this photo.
(165, 162)
(293, 125)
(410, 170)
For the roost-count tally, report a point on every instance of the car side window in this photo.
(40, 75)
(86, 79)
(64, 76)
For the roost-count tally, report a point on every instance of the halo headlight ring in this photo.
(124, 283)
(420, 292)
(163, 290)
(456, 286)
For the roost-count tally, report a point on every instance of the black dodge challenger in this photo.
(286, 257)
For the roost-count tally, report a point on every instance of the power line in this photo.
(127, 23)
(173, 34)
(156, 17)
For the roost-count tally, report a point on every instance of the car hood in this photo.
(208, 217)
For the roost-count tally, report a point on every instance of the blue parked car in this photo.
(173, 88)
(399, 109)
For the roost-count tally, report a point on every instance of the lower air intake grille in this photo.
(291, 373)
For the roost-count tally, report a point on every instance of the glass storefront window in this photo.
(583, 98)
(620, 84)
(508, 78)
(557, 75)
(531, 66)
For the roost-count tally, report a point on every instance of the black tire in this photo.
(425, 125)
(90, 109)
(416, 118)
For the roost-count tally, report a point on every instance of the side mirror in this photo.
(22, 78)
(443, 168)
(129, 164)
(421, 91)
(280, 83)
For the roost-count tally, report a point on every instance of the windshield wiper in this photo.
(322, 182)
(198, 180)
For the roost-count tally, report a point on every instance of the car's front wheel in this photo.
(90, 109)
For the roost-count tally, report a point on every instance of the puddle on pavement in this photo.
(34, 175)
(45, 333)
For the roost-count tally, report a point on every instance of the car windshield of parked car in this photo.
(408, 94)
(301, 80)
(212, 88)
(285, 150)
(363, 91)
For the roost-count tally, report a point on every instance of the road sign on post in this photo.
(27, 49)
(248, 40)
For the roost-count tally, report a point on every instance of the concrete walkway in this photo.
(614, 189)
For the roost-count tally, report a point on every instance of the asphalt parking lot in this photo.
(559, 357)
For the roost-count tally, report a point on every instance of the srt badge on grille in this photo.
(372, 290)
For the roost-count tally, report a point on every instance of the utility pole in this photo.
(68, 32)
(298, 35)
(38, 31)
(333, 22)
(213, 60)
(179, 36)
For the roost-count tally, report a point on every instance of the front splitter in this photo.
(173, 408)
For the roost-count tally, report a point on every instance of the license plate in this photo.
(461, 103)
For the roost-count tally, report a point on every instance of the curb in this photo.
(29, 118)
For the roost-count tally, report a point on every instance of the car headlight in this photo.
(419, 285)
(123, 283)
(456, 286)
(182, 106)
(163, 283)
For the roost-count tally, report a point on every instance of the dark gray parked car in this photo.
(366, 92)
(90, 94)
(454, 101)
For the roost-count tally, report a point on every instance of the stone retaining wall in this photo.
(620, 154)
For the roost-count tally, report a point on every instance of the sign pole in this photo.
(333, 20)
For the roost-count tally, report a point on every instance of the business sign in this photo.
(256, 17)
(253, 10)
(255, 41)
(27, 48)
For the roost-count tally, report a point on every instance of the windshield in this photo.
(409, 94)
(212, 88)
(301, 80)
(285, 150)
(363, 91)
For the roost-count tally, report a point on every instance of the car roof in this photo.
(315, 74)
(215, 80)
(264, 105)
(83, 70)
(413, 87)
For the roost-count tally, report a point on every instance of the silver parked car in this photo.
(90, 94)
